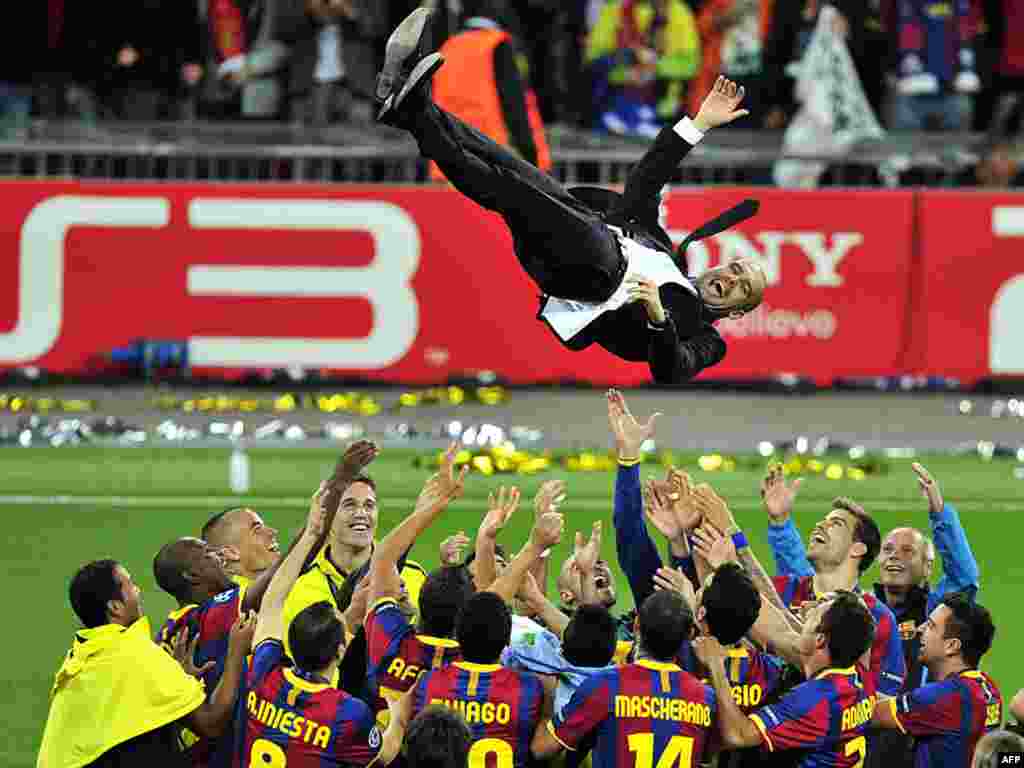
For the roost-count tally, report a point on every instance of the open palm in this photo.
(721, 105)
(629, 433)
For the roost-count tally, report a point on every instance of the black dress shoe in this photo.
(406, 64)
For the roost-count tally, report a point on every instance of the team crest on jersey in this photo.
(908, 629)
(374, 738)
(223, 597)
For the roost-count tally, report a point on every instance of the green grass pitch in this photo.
(46, 541)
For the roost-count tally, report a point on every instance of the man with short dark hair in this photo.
(502, 706)
(119, 698)
(635, 708)
(351, 530)
(825, 718)
(841, 547)
(438, 737)
(947, 717)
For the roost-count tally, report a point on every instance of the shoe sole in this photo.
(424, 70)
(402, 44)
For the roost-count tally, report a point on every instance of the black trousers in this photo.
(563, 245)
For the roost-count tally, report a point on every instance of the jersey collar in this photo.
(437, 642)
(658, 666)
(845, 671)
(298, 680)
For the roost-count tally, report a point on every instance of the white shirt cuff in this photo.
(688, 131)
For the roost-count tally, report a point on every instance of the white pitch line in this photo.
(215, 501)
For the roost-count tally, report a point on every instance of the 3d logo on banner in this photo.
(417, 284)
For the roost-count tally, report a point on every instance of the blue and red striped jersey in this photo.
(753, 676)
(211, 622)
(888, 667)
(300, 721)
(948, 718)
(396, 655)
(502, 707)
(642, 712)
(826, 719)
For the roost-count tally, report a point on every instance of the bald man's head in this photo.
(906, 558)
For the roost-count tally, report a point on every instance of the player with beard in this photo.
(247, 545)
(948, 716)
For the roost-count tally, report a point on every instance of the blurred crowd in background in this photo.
(612, 66)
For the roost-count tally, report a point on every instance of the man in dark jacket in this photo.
(608, 276)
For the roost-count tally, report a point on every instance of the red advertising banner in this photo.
(970, 321)
(415, 284)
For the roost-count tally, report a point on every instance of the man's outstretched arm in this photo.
(671, 147)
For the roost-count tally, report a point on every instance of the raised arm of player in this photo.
(585, 557)
(638, 556)
(959, 567)
(714, 508)
(549, 498)
(271, 621)
(355, 459)
(438, 492)
(547, 532)
(500, 507)
(737, 729)
(784, 539)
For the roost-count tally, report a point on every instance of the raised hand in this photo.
(714, 546)
(444, 485)
(184, 653)
(499, 510)
(629, 433)
(721, 105)
(713, 508)
(452, 482)
(777, 495)
(549, 497)
(656, 507)
(547, 530)
(452, 547)
(317, 517)
(682, 500)
(586, 555)
(353, 461)
(929, 488)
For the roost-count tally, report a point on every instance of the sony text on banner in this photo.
(412, 284)
(970, 318)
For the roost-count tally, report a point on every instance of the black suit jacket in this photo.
(688, 343)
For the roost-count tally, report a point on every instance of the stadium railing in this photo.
(240, 152)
